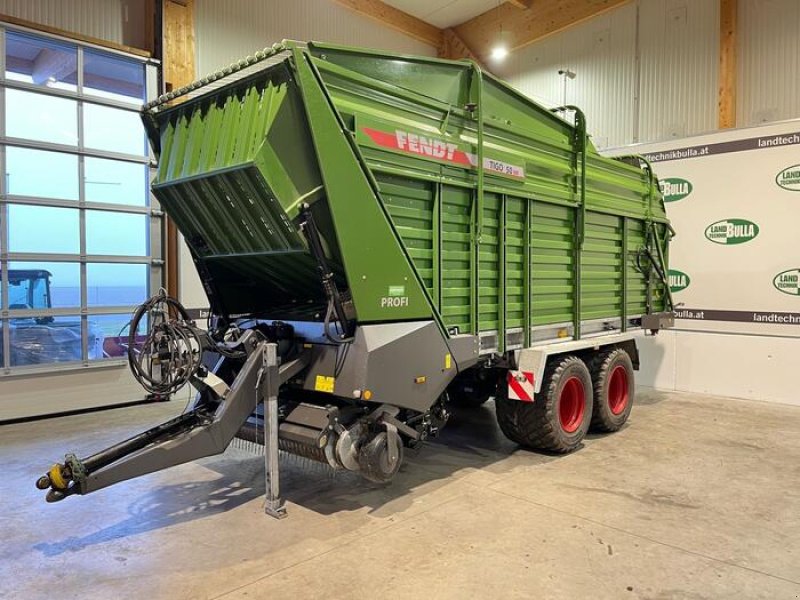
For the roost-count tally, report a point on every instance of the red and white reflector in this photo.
(520, 385)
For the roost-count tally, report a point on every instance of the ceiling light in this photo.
(499, 53)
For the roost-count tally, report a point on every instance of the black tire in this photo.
(612, 381)
(373, 458)
(542, 424)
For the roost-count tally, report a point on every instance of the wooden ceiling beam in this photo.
(454, 48)
(523, 4)
(727, 63)
(178, 23)
(396, 19)
(521, 28)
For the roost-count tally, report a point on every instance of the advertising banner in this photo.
(734, 199)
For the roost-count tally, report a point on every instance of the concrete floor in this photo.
(699, 497)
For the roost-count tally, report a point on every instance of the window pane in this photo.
(114, 77)
(111, 284)
(43, 62)
(44, 285)
(108, 335)
(113, 129)
(45, 340)
(41, 117)
(43, 229)
(116, 233)
(115, 181)
(26, 170)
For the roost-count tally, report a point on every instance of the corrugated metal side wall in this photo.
(100, 19)
(769, 63)
(602, 54)
(679, 51)
(230, 30)
(665, 85)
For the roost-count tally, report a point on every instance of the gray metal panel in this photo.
(402, 364)
(465, 349)
(534, 359)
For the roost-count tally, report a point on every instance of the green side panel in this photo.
(411, 206)
(637, 284)
(515, 263)
(414, 130)
(601, 272)
(373, 256)
(552, 264)
(457, 258)
(489, 264)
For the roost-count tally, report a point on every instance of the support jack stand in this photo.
(274, 505)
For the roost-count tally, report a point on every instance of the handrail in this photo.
(580, 139)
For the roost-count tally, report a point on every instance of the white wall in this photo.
(101, 19)
(648, 71)
(736, 366)
(47, 393)
(730, 353)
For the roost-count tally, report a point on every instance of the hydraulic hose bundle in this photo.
(336, 306)
(166, 357)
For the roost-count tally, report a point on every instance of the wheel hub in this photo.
(618, 390)
(572, 405)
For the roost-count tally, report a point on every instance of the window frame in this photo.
(154, 216)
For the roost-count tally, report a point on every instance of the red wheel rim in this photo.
(572, 404)
(618, 390)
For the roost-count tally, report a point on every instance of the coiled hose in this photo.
(170, 353)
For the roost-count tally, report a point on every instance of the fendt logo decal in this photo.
(789, 178)
(675, 188)
(788, 282)
(419, 144)
(731, 231)
(439, 149)
(678, 280)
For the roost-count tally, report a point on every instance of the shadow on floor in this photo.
(472, 441)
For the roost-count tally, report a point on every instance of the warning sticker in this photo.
(324, 384)
(520, 385)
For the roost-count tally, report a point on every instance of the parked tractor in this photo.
(36, 339)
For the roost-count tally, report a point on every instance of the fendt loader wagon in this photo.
(396, 233)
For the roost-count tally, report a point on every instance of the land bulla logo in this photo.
(675, 188)
(678, 280)
(789, 178)
(731, 231)
(788, 282)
